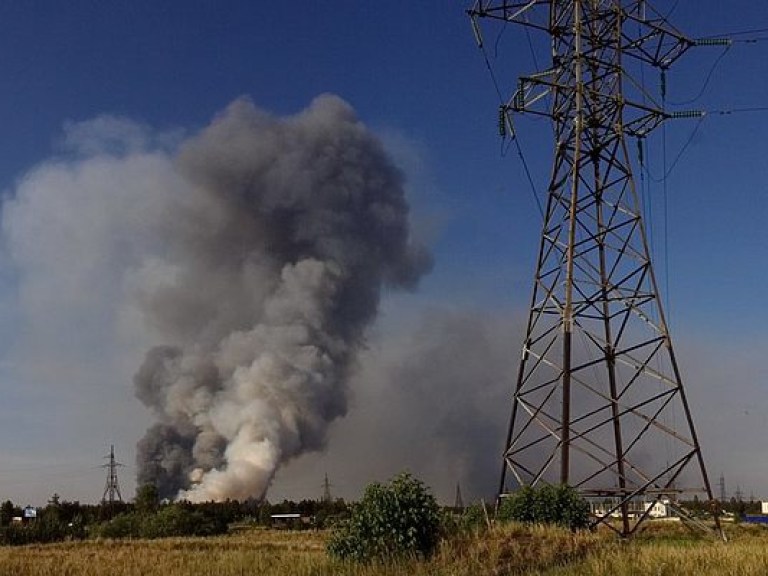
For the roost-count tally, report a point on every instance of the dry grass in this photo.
(507, 550)
(249, 552)
(668, 554)
(510, 550)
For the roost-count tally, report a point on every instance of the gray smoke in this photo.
(432, 396)
(273, 261)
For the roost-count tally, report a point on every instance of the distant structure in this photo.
(721, 484)
(111, 487)
(458, 503)
(326, 490)
(598, 394)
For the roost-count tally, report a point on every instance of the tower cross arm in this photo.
(656, 42)
(527, 13)
(652, 40)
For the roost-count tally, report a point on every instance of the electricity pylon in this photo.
(599, 402)
(111, 486)
(326, 490)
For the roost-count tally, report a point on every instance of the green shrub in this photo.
(560, 505)
(473, 518)
(41, 531)
(399, 519)
(125, 525)
(171, 520)
(176, 520)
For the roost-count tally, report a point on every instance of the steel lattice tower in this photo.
(326, 490)
(111, 486)
(599, 403)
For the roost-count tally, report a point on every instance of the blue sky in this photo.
(414, 75)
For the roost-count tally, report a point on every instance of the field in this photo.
(505, 550)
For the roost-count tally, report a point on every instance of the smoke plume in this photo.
(433, 397)
(274, 259)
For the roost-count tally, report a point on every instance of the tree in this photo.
(7, 511)
(398, 519)
(147, 499)
(548, 504)
(265, 514)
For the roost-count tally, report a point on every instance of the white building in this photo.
(659, 509)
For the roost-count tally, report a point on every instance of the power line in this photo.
(528, 175)
(503, 116)
(703, 116)
(706, 81)
(745, 109)
(739, 33)
(667, 171)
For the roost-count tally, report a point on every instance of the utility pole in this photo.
(598, 386)
(111, 487)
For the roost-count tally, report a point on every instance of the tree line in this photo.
(149, 517)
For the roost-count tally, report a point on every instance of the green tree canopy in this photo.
(396, 519)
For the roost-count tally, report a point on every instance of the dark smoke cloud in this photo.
(432, 397)
(274, 259)
(458, 371)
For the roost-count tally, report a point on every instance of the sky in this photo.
(430, 386)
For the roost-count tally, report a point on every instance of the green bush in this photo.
(560, 505)
(42, 531)
(171, 520)
(176, 520)
(473, 518)
(125, 525)
(391, 521)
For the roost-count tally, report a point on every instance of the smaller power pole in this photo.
(112, 487)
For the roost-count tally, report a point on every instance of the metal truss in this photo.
(599, 402)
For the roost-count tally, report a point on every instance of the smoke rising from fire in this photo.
(274, 264)
(249, 258)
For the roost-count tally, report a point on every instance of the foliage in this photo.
(473, 518)
(145, 517)
(7, 512)
(391, 521)
(177, 520)
(147, 499)
(125, 525)
(48, 528)
(560, 505)
(170, 520)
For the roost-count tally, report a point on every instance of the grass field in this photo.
(504, 550)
